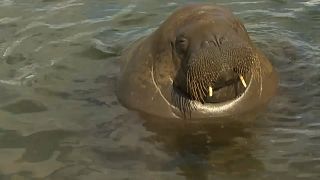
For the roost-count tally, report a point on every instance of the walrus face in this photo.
(215, 64)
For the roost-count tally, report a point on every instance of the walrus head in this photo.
(200, 63)
(217, 66)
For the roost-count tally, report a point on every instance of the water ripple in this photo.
(59, 6)
(14, 45)
(307, 132)
(6, 2)
(268, 13)
(7, 20)
(311, 3)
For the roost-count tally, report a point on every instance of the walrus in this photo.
(199, 64)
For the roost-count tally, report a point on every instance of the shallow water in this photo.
(60, 119)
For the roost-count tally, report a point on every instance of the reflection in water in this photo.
(36, 153)
(204, 150)
(38, 146)
(24, 106)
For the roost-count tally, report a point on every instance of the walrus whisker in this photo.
(260, 78)
(196, 94)
(200, 93)
(194, 84)
(183, 104)
(180, 102)
(203, 93)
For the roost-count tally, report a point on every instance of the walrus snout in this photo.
(218, 71)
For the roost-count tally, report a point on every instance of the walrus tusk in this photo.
(210, 91)
(243, 81)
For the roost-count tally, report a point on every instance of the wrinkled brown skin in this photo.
(148, 69)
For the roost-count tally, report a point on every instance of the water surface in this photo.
(60, 119)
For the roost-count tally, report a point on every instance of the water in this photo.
(59, 117)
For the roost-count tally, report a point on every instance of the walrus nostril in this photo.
(205, 44)
(214, 41)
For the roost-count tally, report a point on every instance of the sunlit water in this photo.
(60, 119)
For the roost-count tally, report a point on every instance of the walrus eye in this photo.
(181, 44)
